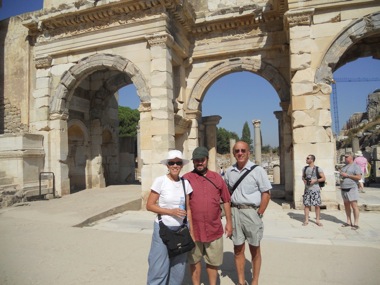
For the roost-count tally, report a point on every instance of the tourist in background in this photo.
(312, 193)
(248, 204)
(350, 174)
(363, 163)
(168, 191)
(209, 189)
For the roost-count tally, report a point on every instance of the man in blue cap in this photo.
(209, 189)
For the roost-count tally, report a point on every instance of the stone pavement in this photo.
(100, 237)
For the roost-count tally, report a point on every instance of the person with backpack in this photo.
(313, 178)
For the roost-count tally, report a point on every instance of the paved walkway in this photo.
(40, 244)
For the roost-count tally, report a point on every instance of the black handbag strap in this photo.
(242, 177)
(184, 192)
(204, 176)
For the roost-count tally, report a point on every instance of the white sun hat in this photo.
(172, 154)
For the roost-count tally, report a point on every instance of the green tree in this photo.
(266, 148)
(128, 121)
(223, 140)
(246, 135)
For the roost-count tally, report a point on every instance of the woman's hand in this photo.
(177, 212)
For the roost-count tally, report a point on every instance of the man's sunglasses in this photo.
(171, 163)
(240, 150)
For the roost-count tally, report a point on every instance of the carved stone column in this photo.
(257, 140)
(355, 144)
(276, 174)
(210, 123)
(157, 130)
(58, 157)
(139, 160)
(232, 143)
(279, 116)
(287, 153)
(193, 138)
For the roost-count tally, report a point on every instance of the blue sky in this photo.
(243, 96)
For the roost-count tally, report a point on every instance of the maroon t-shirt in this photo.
(205, 205)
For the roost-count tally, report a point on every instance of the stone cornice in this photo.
(220, 23)
(78, 19)
(22, 153)
(83, 18)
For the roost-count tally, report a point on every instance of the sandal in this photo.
(346, 225)
(305, 224)
(354, 227)
(319, 224)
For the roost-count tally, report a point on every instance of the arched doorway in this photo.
(88, 97)
(274, 76)
(77, 156)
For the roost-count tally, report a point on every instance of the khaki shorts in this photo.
(352, 195)
(211, 251)
(247, 225)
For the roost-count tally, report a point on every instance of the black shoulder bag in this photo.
(179, 241)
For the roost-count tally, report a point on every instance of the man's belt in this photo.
(244, 206)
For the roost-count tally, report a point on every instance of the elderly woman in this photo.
(168, 191)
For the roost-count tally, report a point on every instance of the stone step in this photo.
(33, 190)
(9, 188)
(6, 180)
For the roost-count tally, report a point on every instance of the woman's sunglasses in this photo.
(171, 163)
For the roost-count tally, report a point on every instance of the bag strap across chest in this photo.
(241, 178)
(184, 192)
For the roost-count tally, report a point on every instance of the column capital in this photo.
(193, 114)
(256, 123)
(161, 39)
(278, 114)
(211, 120)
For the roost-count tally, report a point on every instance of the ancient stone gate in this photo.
(62, 67)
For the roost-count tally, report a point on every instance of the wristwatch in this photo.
(260, 215)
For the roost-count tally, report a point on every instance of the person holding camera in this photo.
(312, 194)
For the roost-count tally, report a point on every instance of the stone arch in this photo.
(350, 36)
(109, 133)
(81, 126)
(71, 79)
(257, 66)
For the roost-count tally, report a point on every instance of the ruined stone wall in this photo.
(373, 105)
(15, 74)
